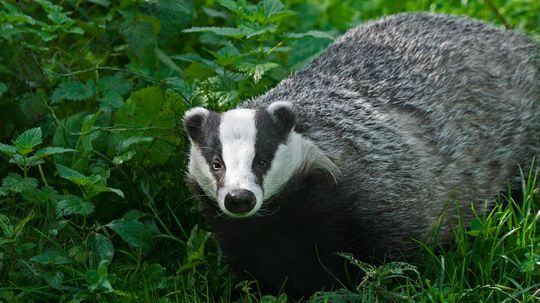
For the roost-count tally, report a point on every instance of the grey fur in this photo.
(419, 111)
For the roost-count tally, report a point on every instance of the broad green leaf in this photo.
(174, 14)
(103, 247)
(73, 205)
(102, 188)
(26, 141)
(51, 257)
(5, 226)
(253, 31)
(273, 10)
(156, 276)
(148, 113)
(196, 243)
(142, 40)
(74, 176)
(54, 279)
(232, 5)
(89, 132)
(135, 233)
(17, 184)
(48, 151)
(8, 149)
(112, 89)
(99, 279)
(73, 91)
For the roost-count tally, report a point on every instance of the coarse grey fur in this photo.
(420, 111)
(420, 114)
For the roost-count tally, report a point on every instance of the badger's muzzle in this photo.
(240, 201)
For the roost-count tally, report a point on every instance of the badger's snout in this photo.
(240, 201)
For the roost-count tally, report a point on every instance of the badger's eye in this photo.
(216, 165)
(262, 163)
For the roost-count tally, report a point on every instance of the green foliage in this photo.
(93, 201)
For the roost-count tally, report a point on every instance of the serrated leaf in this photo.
(220, 31)
(26, 141)
(116, 83)
(73, 91)
(253, 30)
(273, 10)
(110, 100)
(256, 70)
(8, 149)
(54, 279)
(196, 244)
(174, 14)
(151, 112)
(17, 184)
(73, 175)
(112, 88)
(232, 6)
(141, 38)
(51, 257)
(49, 151)
(5, 225)
(73, 205)
(135, 233)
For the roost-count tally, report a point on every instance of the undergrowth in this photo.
(93, 202)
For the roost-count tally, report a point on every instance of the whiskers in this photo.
(265, 211)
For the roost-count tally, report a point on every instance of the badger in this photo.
(402, 126)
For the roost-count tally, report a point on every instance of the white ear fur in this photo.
(193, 122)
(195, 112)
(283, 115)
(272, 108)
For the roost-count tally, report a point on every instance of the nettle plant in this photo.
(47, 254)
(243, 59)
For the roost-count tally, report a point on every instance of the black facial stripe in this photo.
(211, 144)
(267, 141)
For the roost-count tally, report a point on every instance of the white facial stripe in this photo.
(237, 133)
(199, 170)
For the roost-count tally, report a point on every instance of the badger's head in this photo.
(243, 157)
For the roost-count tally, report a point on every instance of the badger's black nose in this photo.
(240, 201)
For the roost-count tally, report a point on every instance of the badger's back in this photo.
(420, 111)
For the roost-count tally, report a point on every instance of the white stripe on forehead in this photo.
(237, 134)
(238, 125)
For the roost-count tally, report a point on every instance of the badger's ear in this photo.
(193, 123)
(283, 114)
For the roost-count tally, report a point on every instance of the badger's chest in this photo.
(292, 245)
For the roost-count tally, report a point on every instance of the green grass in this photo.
(93, 201)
